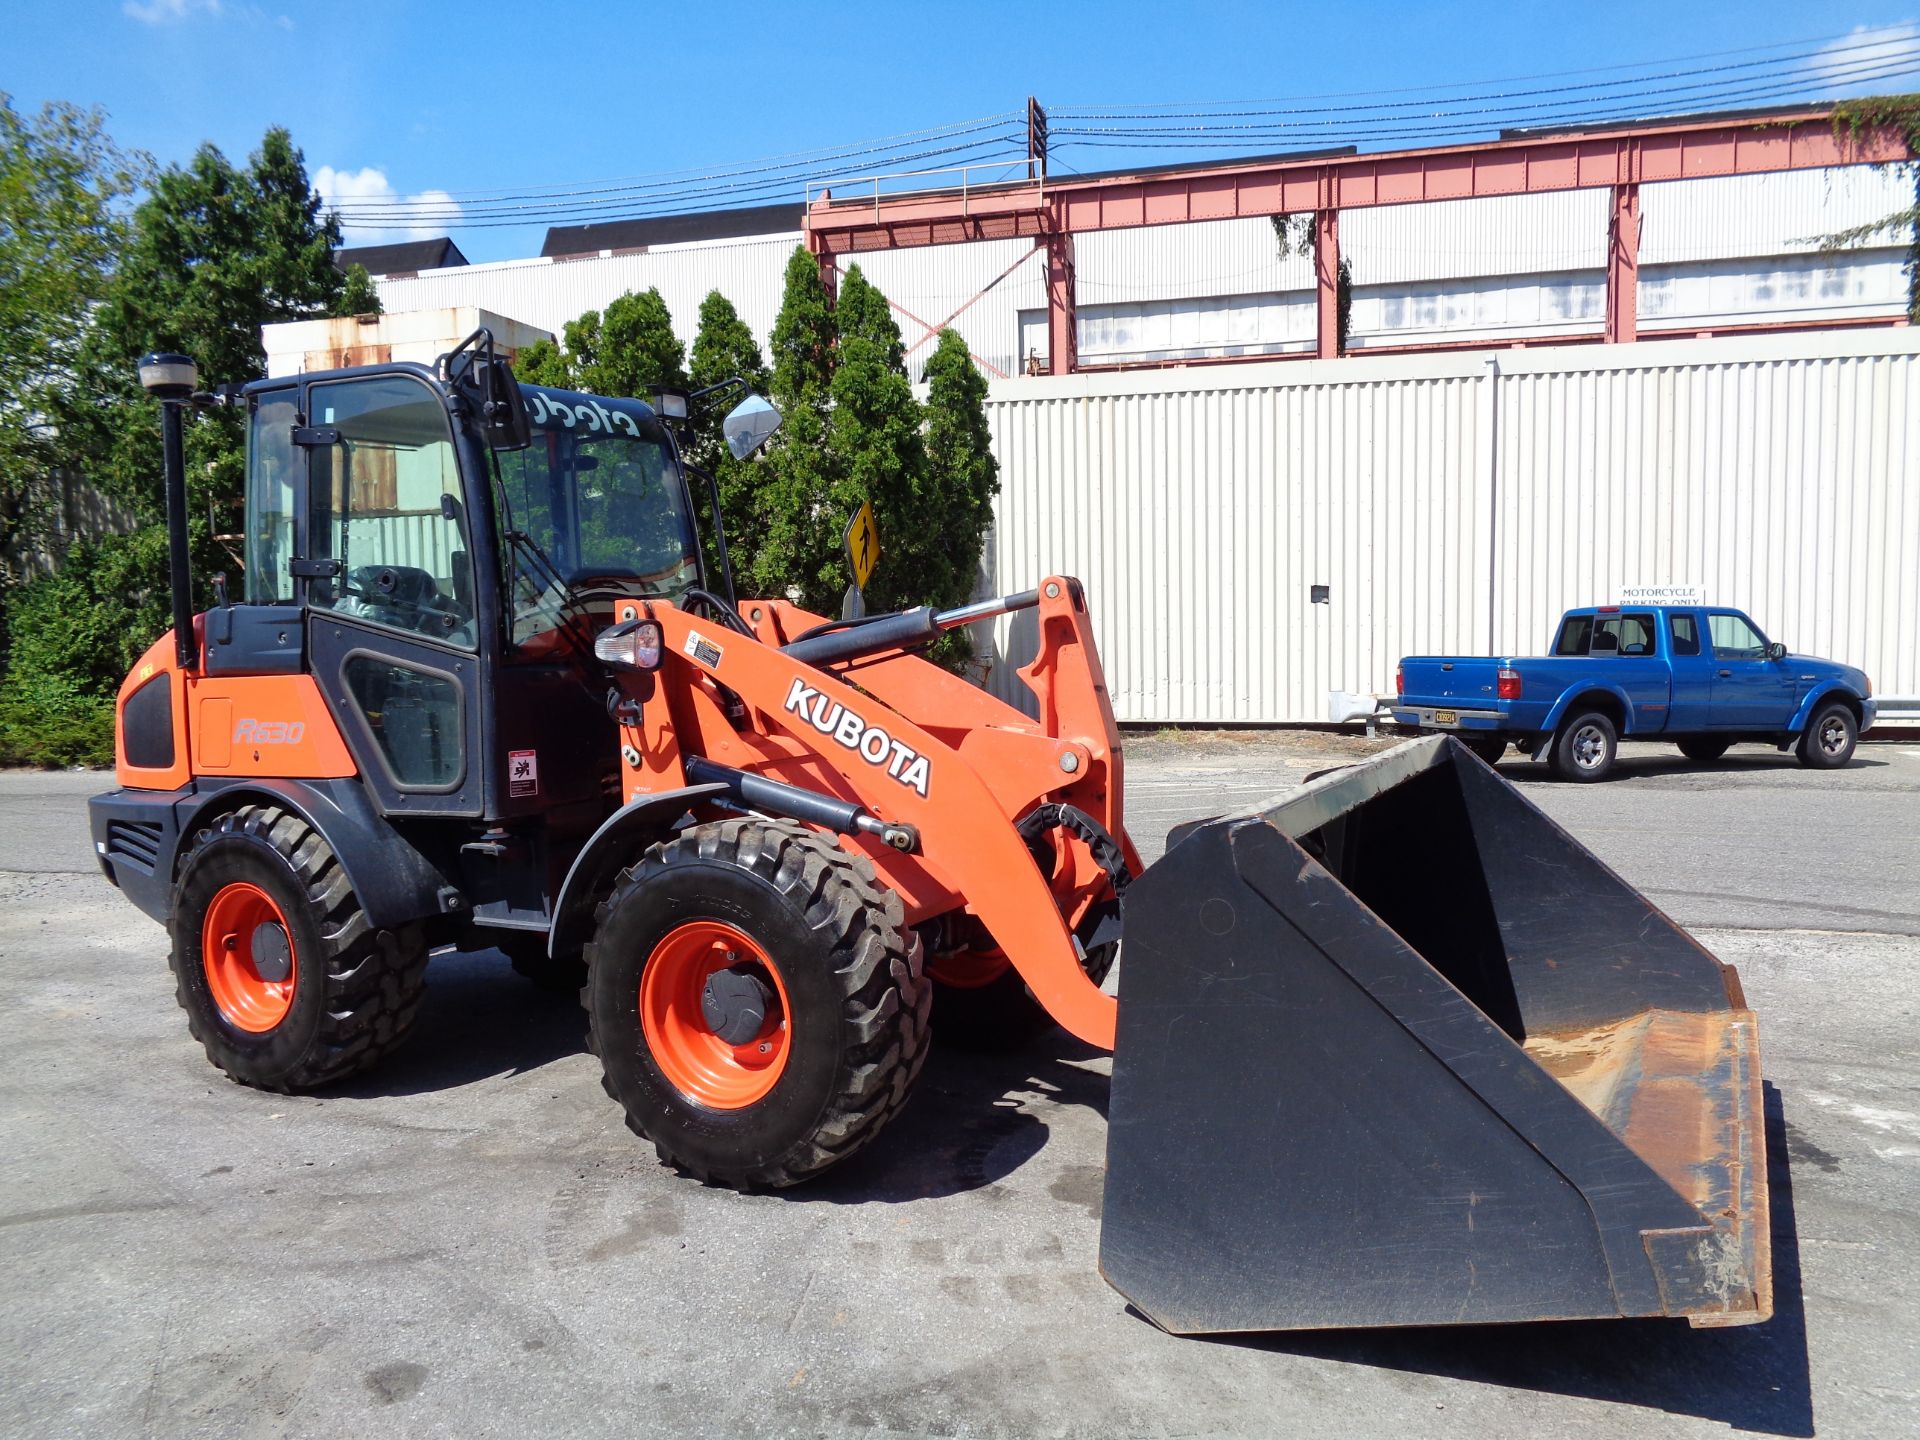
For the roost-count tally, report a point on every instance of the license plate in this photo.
(1444, 717)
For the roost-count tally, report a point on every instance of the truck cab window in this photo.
(385, 502)
(1576, 632)
(1734, 638)
(1624, 635)
(1686, 635)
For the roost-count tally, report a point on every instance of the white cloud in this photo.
(170, 12)
(369, 190)
(1869, 59)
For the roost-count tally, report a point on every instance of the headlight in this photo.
(633, 645)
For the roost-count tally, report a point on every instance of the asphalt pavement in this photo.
(468, 1242)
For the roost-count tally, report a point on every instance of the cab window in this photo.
(1630, 635)
(271, 460)
(1575, 632)
(385, 503)
(1734, 638)
(1686, 634)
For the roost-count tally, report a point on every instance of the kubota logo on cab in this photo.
(869, 742)
(269, 732)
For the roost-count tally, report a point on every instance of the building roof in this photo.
(408, 257)
(591, 239)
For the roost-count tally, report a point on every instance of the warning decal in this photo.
(523, 772)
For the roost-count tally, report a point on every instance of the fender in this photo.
(606, 851)
(1822, 692)
(1559, 711)
(395, 882)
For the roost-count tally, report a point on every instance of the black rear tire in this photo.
(355, 989)
(1829, 739)
(1584, 748)
(1703, 749)
(1489, 748)
(855, 1019)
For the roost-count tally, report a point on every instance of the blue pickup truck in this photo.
(1701, 676)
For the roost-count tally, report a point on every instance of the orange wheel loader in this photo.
(1393, 1050)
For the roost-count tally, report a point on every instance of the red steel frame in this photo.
(1052, 211)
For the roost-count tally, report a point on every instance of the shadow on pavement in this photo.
(478, 1019)
(1753, 1378)
(968, 1125)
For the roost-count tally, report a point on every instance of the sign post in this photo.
(862, 544)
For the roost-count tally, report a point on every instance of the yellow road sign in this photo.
(863, 544)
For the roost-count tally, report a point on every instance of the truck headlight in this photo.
(632, 645)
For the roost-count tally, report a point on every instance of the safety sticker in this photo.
(703, 650)
(523, 772)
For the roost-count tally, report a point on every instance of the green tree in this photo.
(637, 349)
(63, 192)
(1901, 114)
(724, 348)
(877, 453)
(863, 312)
(357, 293)
(799, 513)
(543, 363)
(962, 475)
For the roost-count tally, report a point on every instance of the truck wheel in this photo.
(980, 1001)
(1585, 747)
(1703, 749)
(756, 1001)
(1488, 747)
(1827, 742)
(284, 982)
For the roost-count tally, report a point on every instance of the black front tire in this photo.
(857, 1000)
(1703, 750)
(1585, 747)
(356, 988)
(1829, 739)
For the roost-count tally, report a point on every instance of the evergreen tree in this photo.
(799, 514)
(863, 311)
(725, 348)
(962, 475)
(581, 339)
(635, 350)
(876, 450)
(543, 363)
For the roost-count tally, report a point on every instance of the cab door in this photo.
(387, 580)
(1750, 691)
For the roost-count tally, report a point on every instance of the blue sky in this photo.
(402, 98)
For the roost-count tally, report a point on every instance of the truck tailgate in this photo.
(1467, 681)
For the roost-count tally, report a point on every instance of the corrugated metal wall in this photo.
(1458, 503)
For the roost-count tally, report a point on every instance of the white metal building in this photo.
(1713, 253)
(1456, 503)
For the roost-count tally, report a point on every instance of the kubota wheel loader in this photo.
(1394, 1050)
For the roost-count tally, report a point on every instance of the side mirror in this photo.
(488, 384)
(749, 425)
(1776, 651)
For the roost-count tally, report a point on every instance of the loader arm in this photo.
(808, 726)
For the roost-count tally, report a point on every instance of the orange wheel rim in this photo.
(702, 1065)
(247, 951)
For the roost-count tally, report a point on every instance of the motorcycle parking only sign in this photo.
(523, 772)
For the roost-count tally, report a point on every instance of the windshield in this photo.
(602, 500)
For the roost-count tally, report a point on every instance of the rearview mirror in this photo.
(487, 382)
(749, 425)
(1776, 651)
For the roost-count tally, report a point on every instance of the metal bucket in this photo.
(1400, 1051)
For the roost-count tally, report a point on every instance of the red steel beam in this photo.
(1670, 150)
(1623, 266)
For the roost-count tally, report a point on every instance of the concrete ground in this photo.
(468, 1242)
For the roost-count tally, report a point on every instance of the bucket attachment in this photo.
(1399, 1051)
